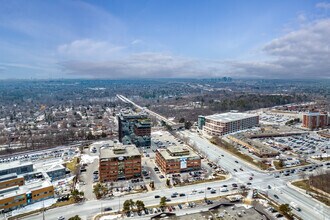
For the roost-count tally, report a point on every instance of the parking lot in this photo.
(150, 171)
(62, 153)
(274, 119)
(311, 144)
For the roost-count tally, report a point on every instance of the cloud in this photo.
(88, 49)
(302, 53)
(323, 5)
(142, 65)
(136, 41)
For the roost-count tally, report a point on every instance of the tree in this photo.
(127, 206)
(187, 125)
(90, 136)
(100, 190)
(76, 195)
(152, 185)
(168, 182)
(76, 217)
(285, 208)
(162, 202)
(140, 205)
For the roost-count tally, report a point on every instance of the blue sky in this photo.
(161, 39)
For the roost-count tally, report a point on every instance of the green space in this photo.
(304, 184)
(231, 149)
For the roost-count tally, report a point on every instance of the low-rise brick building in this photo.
(119, 163)
(176, 159)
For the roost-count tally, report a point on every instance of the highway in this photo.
(310, 208)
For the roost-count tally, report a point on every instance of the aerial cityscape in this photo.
(164, 110)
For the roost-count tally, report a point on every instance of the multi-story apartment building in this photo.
(226, 123)
(119, 163)
(314, 120)
(176, 159)
(134, 128)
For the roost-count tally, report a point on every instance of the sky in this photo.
(110, 39)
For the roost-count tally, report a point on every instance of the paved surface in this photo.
(310, 208)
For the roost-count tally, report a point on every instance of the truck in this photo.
(295, 206)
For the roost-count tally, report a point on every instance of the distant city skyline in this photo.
(164, 39)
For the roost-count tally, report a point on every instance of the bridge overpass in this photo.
(158, 116)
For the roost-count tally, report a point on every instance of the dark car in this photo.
(168, 200)
(235, 170)
(236, 161)
(182, 194)
(157, 196)
(107, 209)
(276, 196)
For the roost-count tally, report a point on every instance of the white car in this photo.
(61, 218)
(223, 189)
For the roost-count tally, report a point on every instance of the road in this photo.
(310, 209)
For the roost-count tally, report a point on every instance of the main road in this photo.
(264, 181)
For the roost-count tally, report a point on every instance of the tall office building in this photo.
(134, 128)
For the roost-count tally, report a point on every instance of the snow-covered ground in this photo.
(110, 217)
(34, 206)
(87, 158)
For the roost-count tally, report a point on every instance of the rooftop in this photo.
(29, 186)
(119, 151)
(14, 164)
(177, 152)
(229, 116)
(315, 113)
(9, 177)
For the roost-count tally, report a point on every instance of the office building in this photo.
(177, 159)
(24, 193)
(134, 128)
(226, 123)
(314, 120)
(15, 167)
(10, 180)
(201, 122)
(119, 162)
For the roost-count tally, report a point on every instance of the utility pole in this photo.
(119, 205)
(43, 210)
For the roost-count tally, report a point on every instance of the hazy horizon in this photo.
(158, 39)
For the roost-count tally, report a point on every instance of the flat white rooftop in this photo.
(230, 116)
